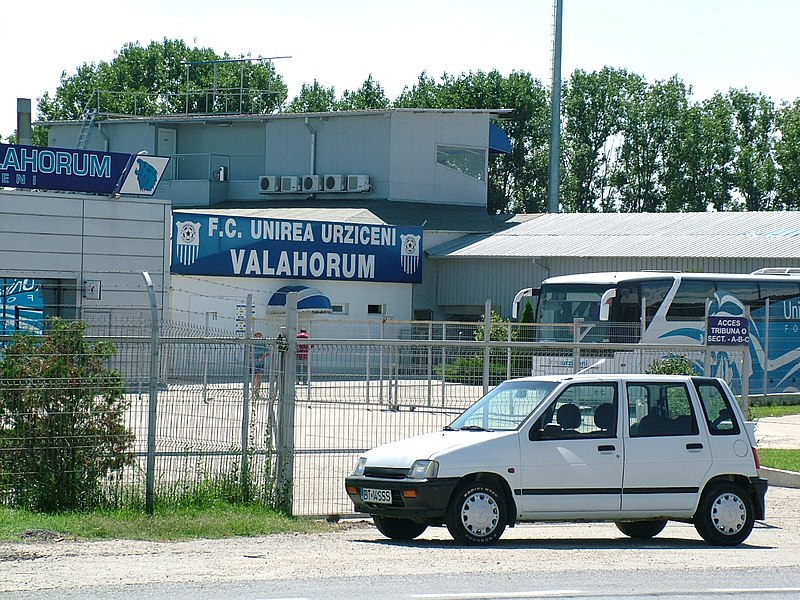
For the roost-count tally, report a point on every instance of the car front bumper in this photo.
(420, 499)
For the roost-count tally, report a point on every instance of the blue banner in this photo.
(61, 169)
(73, 170)
(236, 246)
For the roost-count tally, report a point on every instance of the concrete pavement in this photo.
(779, 432)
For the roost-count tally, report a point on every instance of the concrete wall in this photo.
(76, 237)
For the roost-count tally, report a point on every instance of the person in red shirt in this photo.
(302, 357)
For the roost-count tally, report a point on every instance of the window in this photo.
(653, 294)
(582, 410)
(504, 408)
(26, 303)
(659, 409)
(375, 309)
(717, 408)
(469, 161)
(689, 303)
(340, 309)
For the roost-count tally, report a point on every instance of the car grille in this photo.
(385, 472)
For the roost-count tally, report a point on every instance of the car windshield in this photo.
(504, 408)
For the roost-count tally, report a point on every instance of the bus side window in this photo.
(653, 294)
(689, 303)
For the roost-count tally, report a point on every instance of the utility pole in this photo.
(555, 116)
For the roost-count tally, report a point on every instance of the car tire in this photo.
(641, 530)
(398, 529)
(477, 515)
(725, 515)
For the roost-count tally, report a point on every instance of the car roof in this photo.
(608, 377)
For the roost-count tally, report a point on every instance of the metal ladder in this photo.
(86, 129)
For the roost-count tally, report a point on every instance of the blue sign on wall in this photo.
(73, 170)
(21, 306)
(728, 330)
(236, 246)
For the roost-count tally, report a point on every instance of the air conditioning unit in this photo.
(333, 183)
(312, 183)
(290, 183)
(267, 184)
(358, 183)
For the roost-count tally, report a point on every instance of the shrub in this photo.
(62, 423)
(672, 364)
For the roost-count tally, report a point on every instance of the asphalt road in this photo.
(356, 562)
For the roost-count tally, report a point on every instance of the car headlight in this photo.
(360, 466)
(423, 469)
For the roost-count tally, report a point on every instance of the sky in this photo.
(712, 45)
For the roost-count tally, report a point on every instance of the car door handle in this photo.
(694, 446)
(606, 448)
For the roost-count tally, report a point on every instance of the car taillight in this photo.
(755, 458)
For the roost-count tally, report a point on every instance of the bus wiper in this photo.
(474, 428)
(447, 428)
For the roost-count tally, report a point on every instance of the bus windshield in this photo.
(560, 305)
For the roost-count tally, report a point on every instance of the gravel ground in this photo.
(48, 561)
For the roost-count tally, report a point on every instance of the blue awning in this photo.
(309, 299)
(498, 140)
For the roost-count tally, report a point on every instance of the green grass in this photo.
(167, 524)
(756, 412)
(778, 458)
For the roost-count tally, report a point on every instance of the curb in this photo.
(779, 478)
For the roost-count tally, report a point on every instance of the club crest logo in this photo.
(409, 252)
(187, 242)
(146, 175)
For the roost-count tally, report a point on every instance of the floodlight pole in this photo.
(555, 116)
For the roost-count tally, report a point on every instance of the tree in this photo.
(593, 110)
(755, 174)
(62, 419)
(159, 79)
(702, 158)
(370, 96)
(787, 155)
(313, 98)
(648, 127)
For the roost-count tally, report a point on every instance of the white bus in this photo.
(665, 307)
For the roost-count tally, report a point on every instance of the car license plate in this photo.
(376, 496)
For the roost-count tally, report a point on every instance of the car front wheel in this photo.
(725, 515)
(641, 530)
(477, 514)
(398, 529)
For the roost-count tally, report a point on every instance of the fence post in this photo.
(577, 323)
(444, 361)
(747, 367)
(284, 477)
(153, 385)
(487, 334)
(429, 371)
(248, 368)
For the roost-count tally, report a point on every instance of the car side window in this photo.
(716, 408)
(660, 409)
(583, 410)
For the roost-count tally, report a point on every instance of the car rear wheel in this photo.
(725, 515)
(398, 529)
(477, 514)
(642, 530)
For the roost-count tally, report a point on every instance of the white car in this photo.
(638, 450)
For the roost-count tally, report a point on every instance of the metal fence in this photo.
(206, 429)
